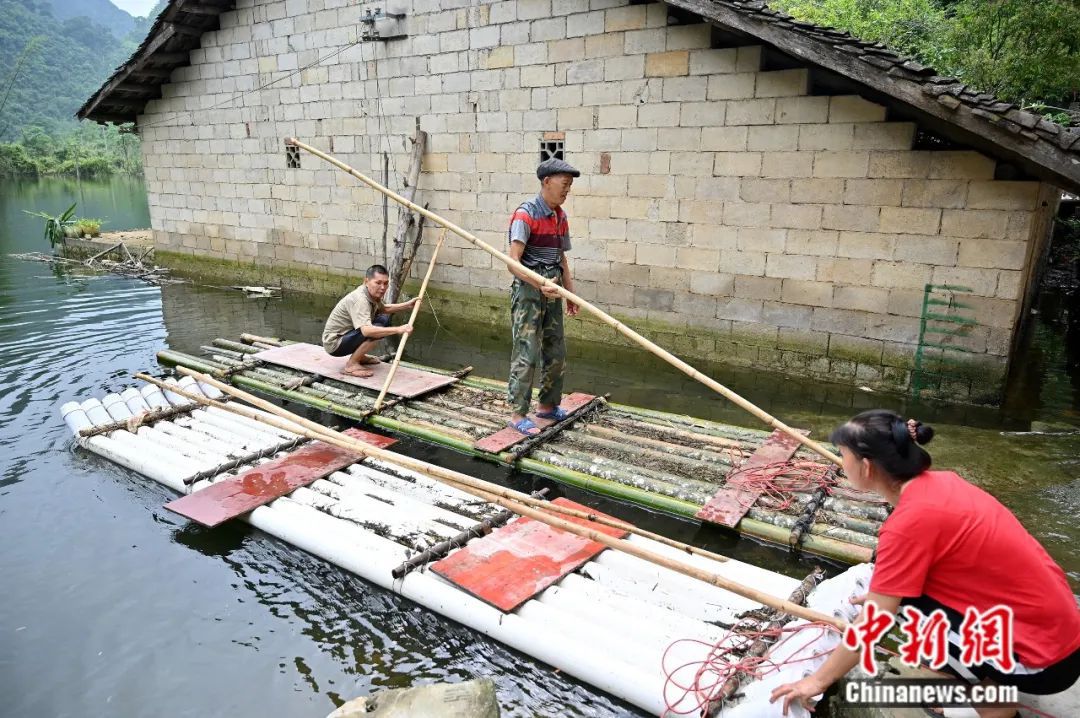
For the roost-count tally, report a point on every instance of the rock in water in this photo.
(471, 699)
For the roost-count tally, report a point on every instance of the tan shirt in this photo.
(355, 310)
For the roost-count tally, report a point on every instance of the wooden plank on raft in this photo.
(261, 484)
(731, 502)
(514, 563)
(314, 359)
(505, 438)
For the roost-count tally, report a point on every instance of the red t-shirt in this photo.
(958, 545)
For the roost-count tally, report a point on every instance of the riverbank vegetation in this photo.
(1023, 51)
(86, 150)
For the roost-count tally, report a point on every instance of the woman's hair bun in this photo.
(923, 433)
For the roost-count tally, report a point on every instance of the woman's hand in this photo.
(800, 692)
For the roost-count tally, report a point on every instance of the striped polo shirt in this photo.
(544, 232)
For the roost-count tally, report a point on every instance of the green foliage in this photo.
(1066, 244)
(86, 150)
(55, 226)
(1024, 51)
(87, 227)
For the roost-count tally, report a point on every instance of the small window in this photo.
(551, 149)
(292, 157)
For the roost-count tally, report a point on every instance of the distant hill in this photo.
(101, 12)
(71, 56)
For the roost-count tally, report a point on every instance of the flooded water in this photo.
(113, 606)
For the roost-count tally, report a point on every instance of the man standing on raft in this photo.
(539, 239)
(353, 327)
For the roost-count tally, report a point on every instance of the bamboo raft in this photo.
(663, 461)
(371, 515)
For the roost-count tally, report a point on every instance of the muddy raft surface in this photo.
(663, 461)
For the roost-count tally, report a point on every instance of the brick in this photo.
(842, 270)
(658, 115)
(1009, 285)
(884, 136)
(788, 316)
(839, 321)
(714, 188)
(549, 29)
(660, 300)
(880, 192)
(865, 245)
(639, 140)
(826, 137)
(667, 64)
(631, 17)
(624, 252)
(575, 118)
(798, 291)
(764, 190)
(787, 164)
(926, 250)
(609, 45)
(961, 165)
(759, 288)
(1003, 195)
(567, 50)
(724, 139)
(739, 164)
(769, 138)
(851, 217)
(684, 89)
(713, 283)
(905, 302)
(628, 67)
(538, 76)
(617, 116)
(801, 110)
(866, 299)
(992, 254)
(796, 216)
(704, 260)
(607, 229)
(750, 112)
(737, 86)
(782, 83)
(748, 263)
(910, 219)
(746, 214)
(982, 282)
(738, 309)
(630, 207)
(798, 338)
(987, 224)
(689, 37)
(702, 114)
(947, 194)
(816, 190)
(686, 165)
(680, 138)
(818, 243)
(639, 42)
(712, 62)
(1019, 225)
(840, 164)
(902, 275)
(852, 108)
(585, 71)
(656, 255)
(705, 235)
(901, 165)
(784, 266)
(633, 274)
(761, 239)
(893, 329)
(707, 212)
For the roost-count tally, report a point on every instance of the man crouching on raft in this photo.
(950, 545)
(354, 325)
(539, 239)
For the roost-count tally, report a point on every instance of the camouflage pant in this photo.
(537, 326)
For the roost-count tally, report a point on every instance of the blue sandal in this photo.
(557, 415)
(525, 426)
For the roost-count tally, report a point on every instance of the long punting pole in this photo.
(412, 318)
(603, 316)
(483, 489)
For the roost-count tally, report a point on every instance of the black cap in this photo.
(555, 166)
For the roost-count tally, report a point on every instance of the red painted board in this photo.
(514, 563)
(261, 484)
(505, 438)
(314, 359)
(730, 503)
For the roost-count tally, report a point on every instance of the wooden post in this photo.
(603, 316)
(406, 219)
(412, 318)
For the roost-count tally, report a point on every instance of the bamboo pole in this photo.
(485, 490)
(412, 318)
(603, 316)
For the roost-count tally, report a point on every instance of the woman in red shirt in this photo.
(950, 545)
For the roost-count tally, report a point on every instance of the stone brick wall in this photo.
(718, 200)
